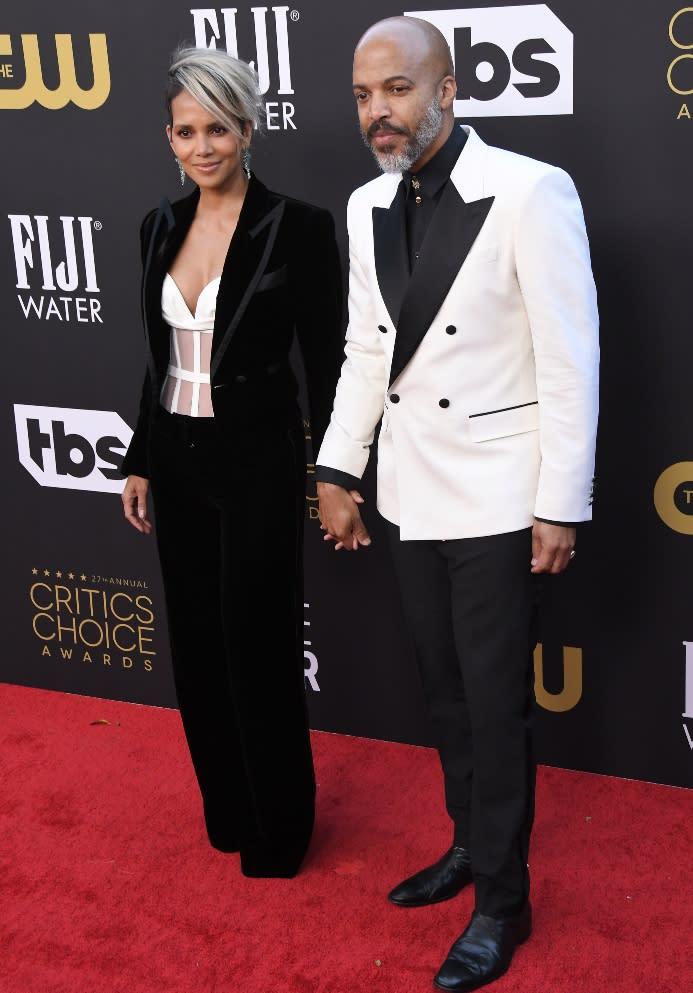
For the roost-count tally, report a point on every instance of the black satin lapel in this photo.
(169, 228)
(246, 261)
(451, 234)
(390, 249)
(152, 278)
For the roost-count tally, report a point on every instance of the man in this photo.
(473, 333)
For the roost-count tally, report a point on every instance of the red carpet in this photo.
(108, 884)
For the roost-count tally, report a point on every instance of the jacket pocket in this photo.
(506, 421)
(272, 279)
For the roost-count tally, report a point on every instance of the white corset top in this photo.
(186, 388)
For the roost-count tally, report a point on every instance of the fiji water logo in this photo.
(55, 267)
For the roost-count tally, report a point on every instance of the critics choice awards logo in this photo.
(55, 267)
(85, 618)
(260, 35)
(72, 449)
(509, 61)
(22, 76)
(680, 70)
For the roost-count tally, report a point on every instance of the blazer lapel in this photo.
(390, 250)
(246, 261)
(451, 234)
(169, 228)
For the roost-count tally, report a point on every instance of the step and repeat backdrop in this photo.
(603, 90)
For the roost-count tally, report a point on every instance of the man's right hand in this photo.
(340, 517)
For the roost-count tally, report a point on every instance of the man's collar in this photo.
(436, 172)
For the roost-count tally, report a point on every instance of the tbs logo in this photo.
(509, 61)
(72, 449)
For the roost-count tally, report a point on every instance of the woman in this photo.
(231, 272)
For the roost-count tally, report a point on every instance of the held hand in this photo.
(134, 497)
(340, 517)
(552, 547)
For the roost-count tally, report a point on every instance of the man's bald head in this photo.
(405, 89)
(420, 39)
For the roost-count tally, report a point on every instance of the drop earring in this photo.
(245, 161)
(181, 170)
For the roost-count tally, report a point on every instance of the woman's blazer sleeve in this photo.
(319, 306)
(136, 462)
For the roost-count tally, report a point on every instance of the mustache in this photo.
(382, 127)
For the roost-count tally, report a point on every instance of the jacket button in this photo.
(451, 329)
(240, 379)
(394, 398)
(382, 329)
(443, 403)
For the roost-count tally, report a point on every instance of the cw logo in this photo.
(68, 90)
(684, 42)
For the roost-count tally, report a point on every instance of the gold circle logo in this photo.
(673, 28)
(664, 497)
(672, 25)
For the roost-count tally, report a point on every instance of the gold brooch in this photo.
(415, 183)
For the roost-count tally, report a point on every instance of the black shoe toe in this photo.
(440, 881)
(483, 952)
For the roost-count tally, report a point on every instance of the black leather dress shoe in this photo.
(483, 951)
(438, 882)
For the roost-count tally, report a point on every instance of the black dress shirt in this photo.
(424, 189)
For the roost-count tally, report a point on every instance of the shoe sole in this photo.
(427, 903)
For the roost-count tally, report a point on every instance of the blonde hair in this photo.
(226, 87)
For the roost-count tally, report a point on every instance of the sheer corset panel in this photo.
(186, 388)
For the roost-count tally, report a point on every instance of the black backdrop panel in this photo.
(604, 90)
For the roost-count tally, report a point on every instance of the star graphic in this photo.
(83, 578)
(46, 572)
(70, 575)
(59, 575)
(34, 572)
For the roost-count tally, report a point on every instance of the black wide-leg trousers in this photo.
(470, 606)
(229, 525)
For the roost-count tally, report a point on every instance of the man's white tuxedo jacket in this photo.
(484, 366)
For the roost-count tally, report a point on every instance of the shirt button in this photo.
(394, 398)
(443, 403)
(382, 329)
(240, 379)
(451, 329)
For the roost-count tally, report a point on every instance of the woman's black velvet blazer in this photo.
(281, 278)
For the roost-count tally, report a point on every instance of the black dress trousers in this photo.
(470, 605)
(229, 525)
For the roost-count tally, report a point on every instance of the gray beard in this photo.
(426, 132)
